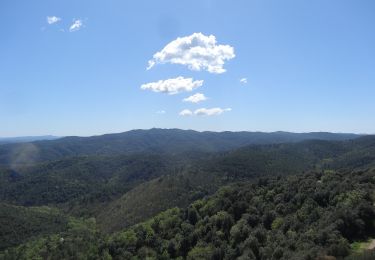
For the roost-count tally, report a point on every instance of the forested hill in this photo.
(170, 141)
(311, 216)
(296, 200)
(299, 217)
(121, 190)
(211, 172)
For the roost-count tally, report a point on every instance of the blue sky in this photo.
(309, 65)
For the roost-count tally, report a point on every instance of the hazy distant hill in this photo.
(23, 139)
(168, 141)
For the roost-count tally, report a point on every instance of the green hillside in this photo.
(80, 179)
(209, 174)
(297, 217)
(20, 224)
(307, 199)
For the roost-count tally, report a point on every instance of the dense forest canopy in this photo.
(225, 196)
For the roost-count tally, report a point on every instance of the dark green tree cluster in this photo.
(19, 224)
(80, 240)
(79, 182)
(296, 217)
(300, 217)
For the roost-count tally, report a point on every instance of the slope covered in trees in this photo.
(299, 217)
(123, 185)
(94, 199)
(296, 217)
(210, 173)
(80, 183)
(19, 224)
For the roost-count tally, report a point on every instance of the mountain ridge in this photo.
(167, 141)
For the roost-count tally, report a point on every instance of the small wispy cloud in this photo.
(173, 86)
(76, 26)
(161, 112)
(243, 81)
(205, 111)
(211, 111)
(186, 112)
(196, 98)
(53, 19)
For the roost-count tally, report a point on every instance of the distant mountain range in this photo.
(163, 141)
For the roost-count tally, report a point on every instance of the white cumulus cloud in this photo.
(196, 98)
(53, 19)
(211, 111)
(243, 80)
(173, 86)
(186, 112)
(76, 26)
(197, 51)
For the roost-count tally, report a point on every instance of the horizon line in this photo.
(182, 129)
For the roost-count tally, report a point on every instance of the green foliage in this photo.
(363, 255)
(240, 221)
(79, 241)
(20, 224)
(306, 228)
(80, 184)
(277, 223)
(200, 252)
